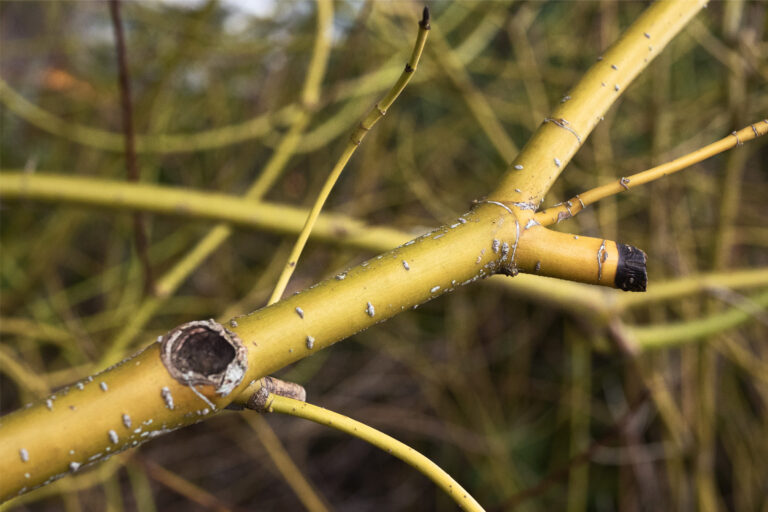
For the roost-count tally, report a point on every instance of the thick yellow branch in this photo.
(94, 419)
(559, 137)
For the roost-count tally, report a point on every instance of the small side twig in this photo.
(139, 229)
(568, 209)
(372, 117)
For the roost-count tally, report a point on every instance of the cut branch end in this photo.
(631, 273)
(205, 353)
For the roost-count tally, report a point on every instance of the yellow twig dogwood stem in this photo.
(159, 394)
(553, 145)
(377, 112)
(272, 402)
(580, 201)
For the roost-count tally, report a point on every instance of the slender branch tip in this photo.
(424, 23)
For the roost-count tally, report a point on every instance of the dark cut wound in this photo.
(631, 274)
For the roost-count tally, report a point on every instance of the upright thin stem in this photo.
(374, 114)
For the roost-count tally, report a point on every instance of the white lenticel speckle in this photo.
(370, 309)
(167, 397)
(310, 342)
(74, 466)
(103, 386)
(24, 454)
(406, 266)
(112, 436)
(300, 312)
(126, 421)
(519, 167)
(557, 162)
(434, 289)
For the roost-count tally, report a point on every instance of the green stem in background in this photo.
(579, 408)
(193, 204)
(672, 334)
(376, 112)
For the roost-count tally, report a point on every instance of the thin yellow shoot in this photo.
(580, 201)
(377, 112)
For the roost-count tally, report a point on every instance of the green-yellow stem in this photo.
(193, 204)
(672, 334)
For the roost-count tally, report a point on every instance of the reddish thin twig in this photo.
(139, 231)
